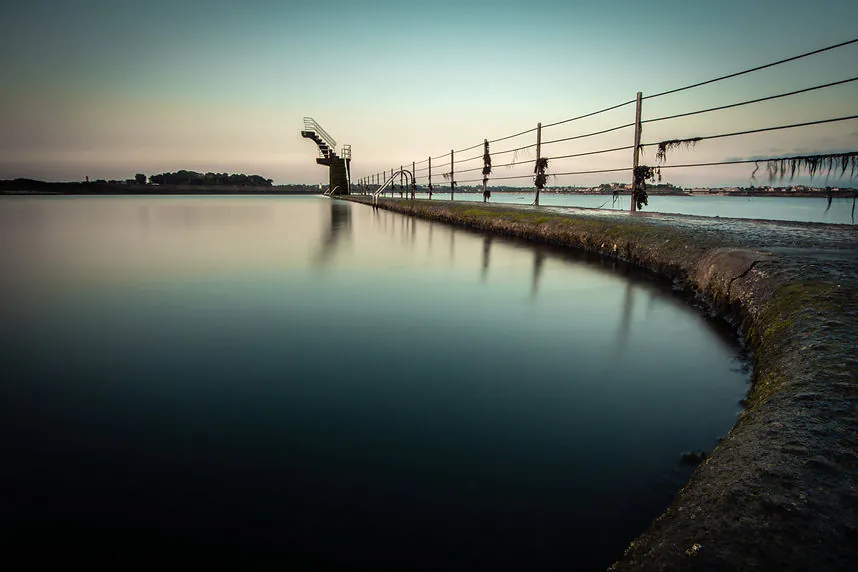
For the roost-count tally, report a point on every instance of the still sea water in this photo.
(300, 381)
(803, 209)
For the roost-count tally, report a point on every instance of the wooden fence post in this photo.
(538, 155)
(452, 177)
(430, 177)
(400, 181)
(413, 180)
(636, 152)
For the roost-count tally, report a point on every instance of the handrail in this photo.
(389, 181)
(311, 124)
(330, 192)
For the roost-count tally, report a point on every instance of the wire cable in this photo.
(480, 156)
(592, 152)
(589, 134)
(495, 154)
(550, 174)
(511, 136)
(765, 129)
(758, 68)
(497, 179)
(619, 105)
(841, 82)
(469, 148)
(591, 172)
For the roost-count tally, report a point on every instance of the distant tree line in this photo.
(184, 177)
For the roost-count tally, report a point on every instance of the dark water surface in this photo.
(305, 381)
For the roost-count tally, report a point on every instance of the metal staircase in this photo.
(327, 145)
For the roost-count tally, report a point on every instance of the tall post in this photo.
(401, 188)
(430, 177)
(413, 180)
(538, 155)
(636, 152)
(391, 184)
(485, 177)
(452, 175)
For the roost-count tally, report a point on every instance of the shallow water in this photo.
(300, 380)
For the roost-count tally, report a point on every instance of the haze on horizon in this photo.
(104, 89)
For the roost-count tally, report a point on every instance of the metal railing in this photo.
(390, 181)
(310, 124)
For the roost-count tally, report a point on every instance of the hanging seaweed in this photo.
(487, 170)
(519, 153)
(667, 145)
(539, 168)
(487, 160)
(813, 165)
(643, 174)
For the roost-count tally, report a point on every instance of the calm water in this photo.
(804, 209)
(299, 380)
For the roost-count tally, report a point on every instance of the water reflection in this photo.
(339, 229)
(538, 261)
(626, 317)
(487, 246)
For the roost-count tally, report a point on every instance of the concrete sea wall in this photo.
(781, 490)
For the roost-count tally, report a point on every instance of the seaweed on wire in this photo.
(487, 169)
(515, 154)
(539, 169)
(813, 165)
(667, 145)
(487, 161)
(642, 174)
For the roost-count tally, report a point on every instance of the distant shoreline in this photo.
(31, 187)
(28, 187)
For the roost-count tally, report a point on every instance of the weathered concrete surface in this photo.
(781, 490)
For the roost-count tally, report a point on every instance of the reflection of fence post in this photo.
(452, 175)
(413, 180)
(538, 154)
(636, 153)
(430, 177)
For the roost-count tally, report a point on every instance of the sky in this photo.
(108, 89)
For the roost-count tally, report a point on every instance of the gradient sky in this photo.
(107, 89)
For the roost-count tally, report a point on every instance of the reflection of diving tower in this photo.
(338, 165)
